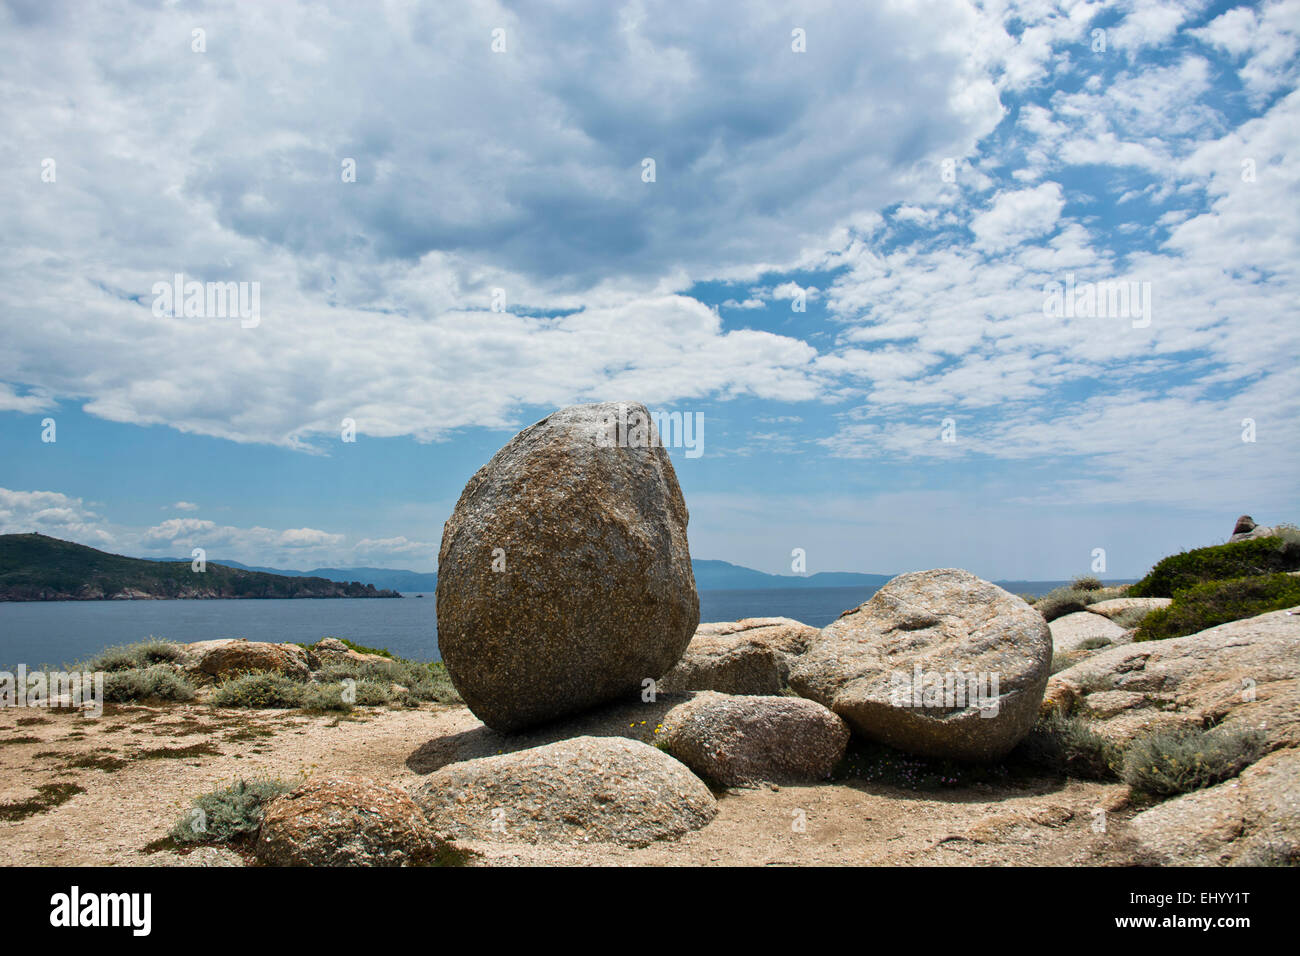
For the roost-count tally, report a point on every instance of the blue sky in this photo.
(920, 176)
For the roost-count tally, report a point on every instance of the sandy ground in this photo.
(140, 766)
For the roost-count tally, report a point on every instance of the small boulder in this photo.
(344, 821)
(1245, 529)
(564, 577)
(1084, 631)
(939, 663)
(588, 789)
(226, 658)
(742, 741)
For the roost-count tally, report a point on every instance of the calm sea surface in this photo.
(62, 632)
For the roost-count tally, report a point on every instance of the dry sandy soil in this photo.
(139, 767)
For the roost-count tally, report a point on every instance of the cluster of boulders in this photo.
(565, 589)
(568, 621)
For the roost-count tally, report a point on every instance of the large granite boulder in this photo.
(1243, 674)
(587, 789)
(344, 821)
(564, 578)
(224, 658)
(1251, 820)
(940, 663)
(741, 741)
(750, 656)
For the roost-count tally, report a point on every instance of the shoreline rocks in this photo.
(223, 658)
(564, 576)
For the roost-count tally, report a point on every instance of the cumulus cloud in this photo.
(475, 171)
(1017, 215)
(51, 513)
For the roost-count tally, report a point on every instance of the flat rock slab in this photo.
(585, 790)
(939, 663)
(1082, 631)
(1251, 820)
(1245, 673)
(633, 718)
(744, 741)
(1116, 606)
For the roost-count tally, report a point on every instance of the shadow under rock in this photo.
(634, 719)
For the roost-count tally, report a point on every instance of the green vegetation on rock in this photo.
(1207, 605)
(1239, 559)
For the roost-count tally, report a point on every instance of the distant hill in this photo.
(722, 575)
(709, 576)
(410, 582)
(34, 567)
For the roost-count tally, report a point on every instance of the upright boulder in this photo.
(939, 663)
(564, 578)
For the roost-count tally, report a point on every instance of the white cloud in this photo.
(1018, 215)
(53, 514)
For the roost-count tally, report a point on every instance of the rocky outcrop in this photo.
(226, 658)
(742, 741)
(939, 663)
(588, 789)
(1252, 820)
(1084, 631)
(751, 656)
(564, 578)
(344, 821)
(1245, 674)
(1246, 528)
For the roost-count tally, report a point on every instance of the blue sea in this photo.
(53, 633)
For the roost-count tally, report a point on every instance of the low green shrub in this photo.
(1239, 559)
(1087, 583)
(324, 697)
(422, 681)
(1062, 601)
(158, 682)
(1069, 746)
(1218, 602)
(258, 689)
(227, 814)
(1165, 763)
(134, 656)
